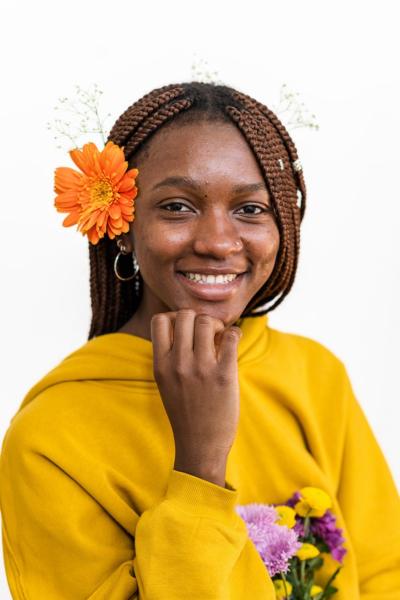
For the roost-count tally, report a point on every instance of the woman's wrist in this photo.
(214, 472)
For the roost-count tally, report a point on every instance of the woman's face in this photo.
(202, 208)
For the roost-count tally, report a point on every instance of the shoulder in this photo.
(47, 416)
(55, 404)
(307, 350)
(71, 385)
(309, 363)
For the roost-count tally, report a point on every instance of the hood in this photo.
(122, 356)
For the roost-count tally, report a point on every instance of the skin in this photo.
(212, 229)
(211, 225)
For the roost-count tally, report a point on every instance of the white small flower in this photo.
(297, 165)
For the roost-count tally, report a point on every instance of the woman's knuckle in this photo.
(203, 320)
(186, 312)
(232, 335)
(201, 370)
(158, 317)
(180, 369)
(222, 377)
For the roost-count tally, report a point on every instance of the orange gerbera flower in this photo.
(101, 198)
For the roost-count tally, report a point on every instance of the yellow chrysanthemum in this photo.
(313, 502)
(287, 516)
(101, 198)
(315, 589)
(307, 551)
(280, 592)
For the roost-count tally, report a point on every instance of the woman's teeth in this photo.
(212, 279)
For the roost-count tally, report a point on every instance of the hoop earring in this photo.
(135, 265)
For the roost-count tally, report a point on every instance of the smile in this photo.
(200, 278)
(211, 287)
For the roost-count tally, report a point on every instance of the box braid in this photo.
(114, 301)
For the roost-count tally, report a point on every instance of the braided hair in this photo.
(114, 301)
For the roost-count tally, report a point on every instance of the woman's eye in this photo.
(260, 208)
(175, 205)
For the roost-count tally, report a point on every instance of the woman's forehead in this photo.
(202, 150)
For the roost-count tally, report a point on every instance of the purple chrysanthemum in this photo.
(325, 528)
(299, 527)
(276, 544)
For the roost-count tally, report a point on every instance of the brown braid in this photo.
(114, 301)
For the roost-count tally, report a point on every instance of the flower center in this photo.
(101, 193)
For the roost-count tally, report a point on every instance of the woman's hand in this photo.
(195, 368)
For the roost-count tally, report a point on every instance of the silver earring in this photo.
(134, 261)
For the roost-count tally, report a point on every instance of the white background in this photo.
(342, 58)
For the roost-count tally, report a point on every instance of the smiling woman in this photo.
(122, 470)
(217, 141)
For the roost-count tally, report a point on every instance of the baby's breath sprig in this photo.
(201, 71)
(79, 117)
(292, 112)
(289, 109)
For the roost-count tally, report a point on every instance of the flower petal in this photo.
(132, 173)
(126, 185)
(72, 219)
(102, 218)
(91, 219)
(93, 235)
(115, 211)
(66, 178)
(118, 173)
(126, 211)
(85, 159)
(112, 159)
(125, 227)
(67, 200)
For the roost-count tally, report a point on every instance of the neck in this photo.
(137, 325)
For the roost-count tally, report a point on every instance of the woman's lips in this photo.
(211, 291)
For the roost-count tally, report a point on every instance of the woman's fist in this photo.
(195, 368)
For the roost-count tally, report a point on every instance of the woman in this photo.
(121, 471)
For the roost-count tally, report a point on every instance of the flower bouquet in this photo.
(291, 539)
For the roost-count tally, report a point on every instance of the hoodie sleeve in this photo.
(194, 545)
(60, 543)
(371, 506)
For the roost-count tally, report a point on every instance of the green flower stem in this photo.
(284, 584)
(328, 583)
(306, 525)
(294, 574)
(303, 572)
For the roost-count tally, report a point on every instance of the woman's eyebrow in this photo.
(192, 183)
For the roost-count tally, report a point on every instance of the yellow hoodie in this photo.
(93, 509)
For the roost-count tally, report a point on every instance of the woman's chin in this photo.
(228, 317)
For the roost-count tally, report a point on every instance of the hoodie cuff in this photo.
(200, 497)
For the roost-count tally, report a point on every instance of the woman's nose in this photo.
(216, 235)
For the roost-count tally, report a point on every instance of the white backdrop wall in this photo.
(342, 58)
